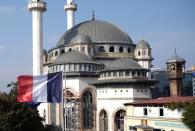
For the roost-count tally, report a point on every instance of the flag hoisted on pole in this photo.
(43, 88)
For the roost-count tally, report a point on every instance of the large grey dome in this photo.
(81, 39)
(98, 31)
(124, 63)
(73, 57)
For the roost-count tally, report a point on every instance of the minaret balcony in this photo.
(34, 5)
(70, 7)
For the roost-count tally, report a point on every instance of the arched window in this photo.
(69, 67)
(129, 50)
(70, 49)
(83, 49)
(133, 73)
(121, 49)
(114, 73)
(139, 53)
(62, 51)
(87, 110)
(119, 120)
(103, 121)
(111, 49)
(85, 67)
(56, 53)
(101, 49)
(138, 73)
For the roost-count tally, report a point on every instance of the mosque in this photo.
(102, 69)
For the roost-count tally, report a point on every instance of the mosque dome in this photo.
(81, 39)
(142, 44)
(122, 64)
(98, 31)
(73, 57)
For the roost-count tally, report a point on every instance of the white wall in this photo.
(112, 98)
(154, 112)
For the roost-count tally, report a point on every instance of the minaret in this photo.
(143, 55)
(37, 7)
(70, 8)
(175, 71)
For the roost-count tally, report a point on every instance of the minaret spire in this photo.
(93, 15)
(37, 7)
(70, 8)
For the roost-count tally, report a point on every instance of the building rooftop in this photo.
(175, 58)
(124, 63)
(98, 31)
(73, 57)
(163, 101)
(123, 80)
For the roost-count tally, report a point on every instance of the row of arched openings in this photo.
(70, 49)
(112, 49)
(118, 120)
(100, 49)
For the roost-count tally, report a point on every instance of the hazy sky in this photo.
(165, 24)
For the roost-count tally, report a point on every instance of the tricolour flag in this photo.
(43, 88)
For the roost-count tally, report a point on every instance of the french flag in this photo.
(43, 88)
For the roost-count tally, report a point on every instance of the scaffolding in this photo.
(72, 112)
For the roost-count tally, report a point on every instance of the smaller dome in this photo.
(73, 57)
(176, 58)
(123, 63)
(80, 39)
(44, 52)
(143, 44)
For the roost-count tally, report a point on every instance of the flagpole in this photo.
(64, 101)
(62, 106)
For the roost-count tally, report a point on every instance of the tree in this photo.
(16, 116)
(189, 116)
(188, 112)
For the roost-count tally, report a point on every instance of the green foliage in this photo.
(16, 116)
(189, 116)
(179, 105)
(13, 86)
(172, 106)
(188, 112)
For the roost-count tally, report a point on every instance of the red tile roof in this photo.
(163, 100)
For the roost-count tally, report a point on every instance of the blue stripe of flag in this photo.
(54, 87)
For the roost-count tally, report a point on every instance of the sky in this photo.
(165, 24)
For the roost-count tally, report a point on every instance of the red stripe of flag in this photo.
(25, 87)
